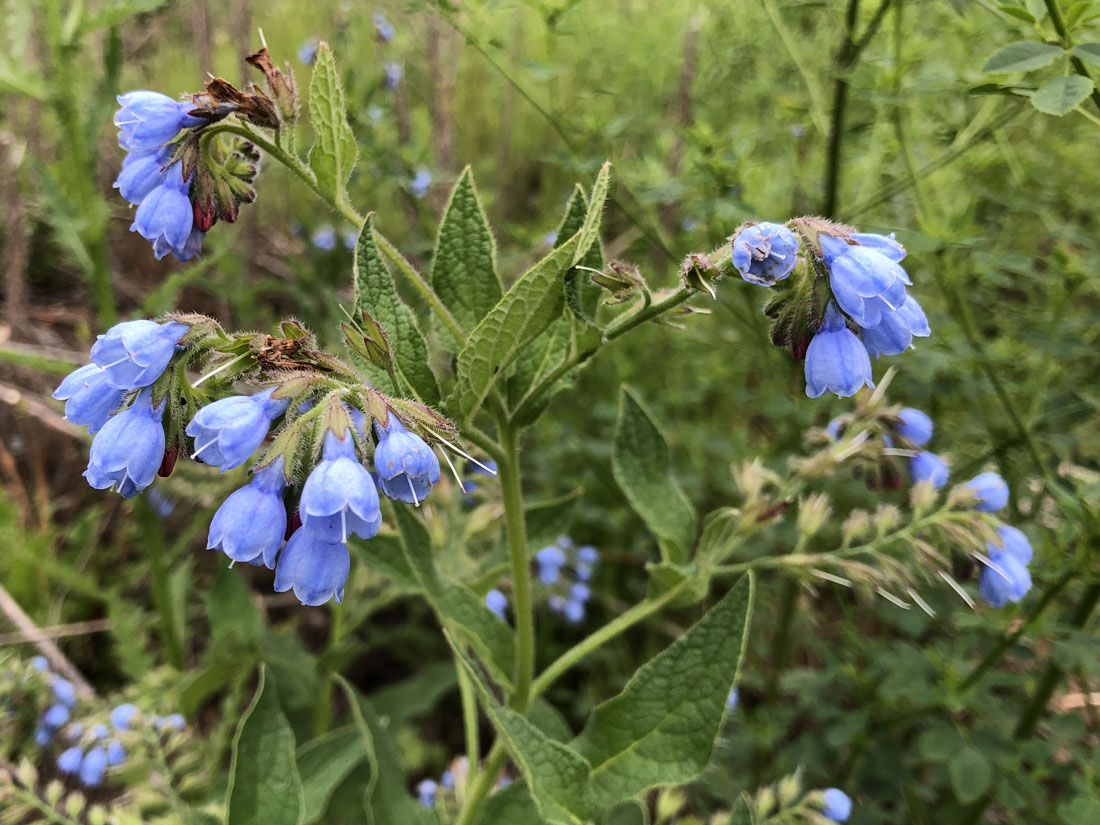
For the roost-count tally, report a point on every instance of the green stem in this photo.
(51, 814)
(521, 575)
(482, 785)
(152, 535)
(625, 323)
(845, 58)
(469, 721)
(324, 706)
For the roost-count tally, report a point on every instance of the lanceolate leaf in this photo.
(556, 775)
(590, 231)
(264, 785)
(662, 728)
(324, 763)
(641, 468)
(376, 293)
(529, 307)
(464, 266)
(334, 151)
(1022, 57)
(1061, 95)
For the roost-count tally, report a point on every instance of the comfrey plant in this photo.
(344, 448)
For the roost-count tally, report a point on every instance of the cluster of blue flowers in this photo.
(866, 289)
(60, 711)
(429, 791)
(151, 178)
(568, 594)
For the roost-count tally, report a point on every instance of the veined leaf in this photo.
(1089, 52)
(1062, 95)
(1022, 56)
(324, 763)
(528, 308)
(264, 785)
(376, 293)
(661, 729)
(641, 468)
(590, 231)
(334, 151)
(512, 806)
(464, 266)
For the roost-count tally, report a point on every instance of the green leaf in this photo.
(230, 610)
(387, 799)
(546, 520)
(334, 151)
(416, 695)
(641, 468)
(742, 812)
(590, 230)
(115, 12)
(661, 729)
(386, 555)
(324, 763)
(528, 308)
(582, 295)
(376, 293)
(457, 606)
(1061, 95)
(556, 775)
(971, 774)
(512, 806)
(1088, 52)
(464, 266)
(1022, 56)
(264, 785)
(1017, 12)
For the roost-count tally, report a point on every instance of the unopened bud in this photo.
(54, 791)
(698, 272)
(857, 525)
(789, 789)
(74, 804)
(813, 512)
(669, 803)
(765, 802)
(886, 518)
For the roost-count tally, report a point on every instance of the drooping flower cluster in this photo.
(445, 791)
(135, 368)
(568, 594)
(846, 301)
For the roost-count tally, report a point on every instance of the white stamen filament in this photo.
(447, 458)
(921, 603)
(831, 577)
(954, 585)
(996, 568)
(464, 454)
(224, 366)
(209, 443)
(894, 600)
(412, 489)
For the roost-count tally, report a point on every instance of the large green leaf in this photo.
(387, 798)
(264, 785)
(416, 695)
(971, 774)
(1022, 56)
(1061, 95)
(464, 266)
(456, 605)
(324, 763)
(334, 151)
(590, 230)
(641, 468)
(556, 775)
(661, 729)
(528, 308)
(511, 806)
(376, 293)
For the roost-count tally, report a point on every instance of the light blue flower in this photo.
(69, 760)
(55, 716)
(192, 248)
(307, 52)
(339, 498)
(425, 792)
(496, 602)
(550, 561)
(835, 360)
(866, 283)
(324, 237)
(165, 216)
(116, 754)
(315, 567)
(1014, 543)
(929, 467)
(838, 805)
(407, 467)
(251, 523)
(383, 26)
(580, 592)
(40, 664)
(92, 767)
(418, 186)
(128, 451)
(896, 330)
(122, 715)
(1006, 580)
(173, 722)
(990, 492)
(99, 732)
(133, 354)
(43, 736)
(63, 690)
(883, 244)
(228, 431)
(89, 398)
(588, 554)
(765, 253)
(733, 699)
(915, 426)
(141, 174)
(148, 120)
(392, 74)
(573, 611)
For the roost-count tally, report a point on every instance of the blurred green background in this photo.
(712, 114)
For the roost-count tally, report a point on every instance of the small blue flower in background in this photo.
(496, 602)
(99, 732)
(866, 283)
(315, 567)
(172, 722)
(551, 239)
(148, 120)
(40, 664)
(915, 427)
(926, 466)
(375, 115)
(69, 760)
(896, 330)
(128, 451)
(251, 523)
(1005, 580)
(447, 780)
(55, 716)
(307, 52)
(383, 26)
(392, 74)
(573, 611)
(349, 237)
(420, 182)
(43, 736)
(550, 561)
(425, 792)
(324, 237)
(586, 559)
(122, 715)
(161, 504)
(407, 467)
(92, 767)
(835, 360)
(733, 699)
(228, 431)
(580, 592)
(338, 498)
(133, 354)
(64, 691)
(838, 805)
(116, 754)
(990, 492)
(765, 253)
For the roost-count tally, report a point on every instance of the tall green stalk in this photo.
(516, 531)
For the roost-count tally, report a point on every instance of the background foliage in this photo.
(898, 116)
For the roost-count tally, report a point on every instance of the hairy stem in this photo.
(516, 530)
(845, 58)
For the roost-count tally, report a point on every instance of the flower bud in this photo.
(813, 511)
